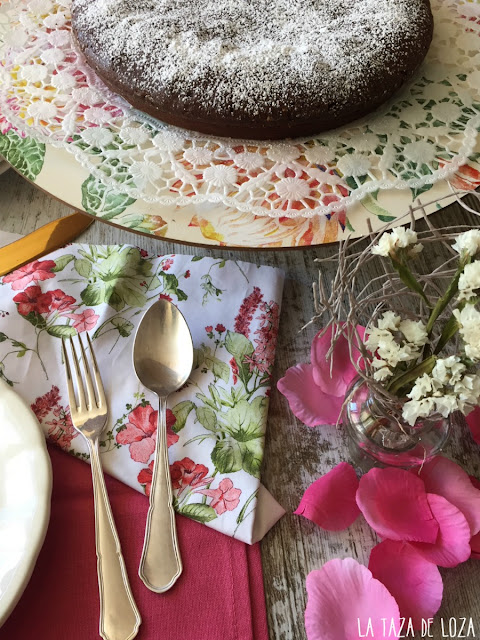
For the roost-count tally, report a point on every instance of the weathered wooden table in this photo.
(295, 455)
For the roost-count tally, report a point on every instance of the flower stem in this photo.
(412, 374)
(445, 299)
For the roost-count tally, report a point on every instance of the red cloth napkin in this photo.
(219, 596)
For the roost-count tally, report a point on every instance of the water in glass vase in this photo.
(378, 436)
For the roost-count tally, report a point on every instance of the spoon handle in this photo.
(160, 565)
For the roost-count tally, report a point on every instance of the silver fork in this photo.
(119, 616)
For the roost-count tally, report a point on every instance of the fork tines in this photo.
(95, 397)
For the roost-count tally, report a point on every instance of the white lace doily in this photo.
(47, 92)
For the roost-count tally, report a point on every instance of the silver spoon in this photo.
(163, 359)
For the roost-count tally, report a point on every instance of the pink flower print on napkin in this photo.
(33, 300)
(140, 432)
(61, 430)
(60, 301)
(225, 498)
(234, 366)
(145, 477)
(46, 403)
(264, 354)
(246, 312)
(186, 473)
(33, 272)
(83, 321)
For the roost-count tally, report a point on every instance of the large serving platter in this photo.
(72, 176)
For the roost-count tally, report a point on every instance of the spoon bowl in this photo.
(163, 359)
(163, 349)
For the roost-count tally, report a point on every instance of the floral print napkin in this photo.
(216, 422)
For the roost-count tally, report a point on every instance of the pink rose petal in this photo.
(475, 540)
(395, 505)
(473, 421)
(330, 500)
(475, 546)
(414, 582)
(342, 598)
(446, 478)
(453, 543)
(335, 380)
(306, 400)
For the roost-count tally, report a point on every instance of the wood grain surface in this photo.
(295, 454)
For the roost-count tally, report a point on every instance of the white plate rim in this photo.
(35, 442)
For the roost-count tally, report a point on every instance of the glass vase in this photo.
(378, 436)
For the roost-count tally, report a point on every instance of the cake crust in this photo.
(254, 69)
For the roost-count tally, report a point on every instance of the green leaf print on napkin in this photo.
(240, 347)
(103, 201)
(25, 154)
(204, 357)
(116, 279)
(181, 411)
(242, 446)
(199, 512)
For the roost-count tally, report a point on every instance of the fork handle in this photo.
(119, 616)
(160, 565)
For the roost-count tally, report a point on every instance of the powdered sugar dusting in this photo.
(251, 58)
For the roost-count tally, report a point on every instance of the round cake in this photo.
(254, 69)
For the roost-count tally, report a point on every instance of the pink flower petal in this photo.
(334, 382)
(475, 540)
(446, 478)
(475, 546)
(473, 421)
(342, 598)
(453, 543)
(330, 500)
(306, 400)
(395, 505)
(414, 582)
(130, 434)
(141, 451)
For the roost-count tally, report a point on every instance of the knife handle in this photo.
(51, 236)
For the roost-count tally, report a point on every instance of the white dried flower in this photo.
(375, 337)
(447, 404)
(469, 281)
(414, 331)
(382, 374)
(389, 321)
(469, 320)
(404, 237)
(415, 409)
(385, 246)
(448, 370)
(394, 353)
(378, 363)
(468, 243)
(398, 238)
(424, 386)
(468, 390)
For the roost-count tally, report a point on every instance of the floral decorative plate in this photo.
(25, 496)
(63, 129)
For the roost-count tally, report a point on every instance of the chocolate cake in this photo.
(255, 69)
